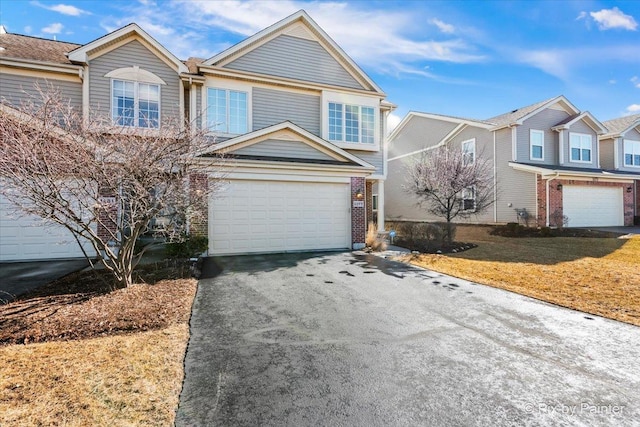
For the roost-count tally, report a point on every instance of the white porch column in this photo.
(381, 205)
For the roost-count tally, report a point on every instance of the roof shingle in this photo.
(33, 48)
(616, 126)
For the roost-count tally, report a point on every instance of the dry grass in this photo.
(102, 359)
(121, 380)
(372, 240)
(595, 275)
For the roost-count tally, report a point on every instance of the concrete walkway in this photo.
(352, 339)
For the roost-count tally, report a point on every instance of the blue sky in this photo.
(472, 59)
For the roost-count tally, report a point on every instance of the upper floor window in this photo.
(469, 152)
(227, 111)
(135, 104)
(580, 147)
(351, 123)
(631, 153)
(536, 143)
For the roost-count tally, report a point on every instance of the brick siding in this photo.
(199, 220)
(358, 215)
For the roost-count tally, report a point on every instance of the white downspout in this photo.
(495, 181)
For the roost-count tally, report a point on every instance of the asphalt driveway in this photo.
(348, 339)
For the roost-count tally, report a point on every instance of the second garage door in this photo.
(279, 216)
(587, 206)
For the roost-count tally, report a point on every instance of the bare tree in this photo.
(102, 182)
(451, 184)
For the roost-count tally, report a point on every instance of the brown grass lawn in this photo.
(95, 358)
(595, 275)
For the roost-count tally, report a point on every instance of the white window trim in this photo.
(351, 99)
(135, 74)
(462, 199)
(531, 144)
(590, 149)
(136, 102)
(473, 142)
(214, 83)
(624, 153)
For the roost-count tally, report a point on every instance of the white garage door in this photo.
(28, 238)
(279, 216)
(593, 206)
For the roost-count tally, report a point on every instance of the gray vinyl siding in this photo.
(514, 187)
(632, 135)
(542, 121)
(279, 148)
(581, 127)
(129, 55)
(295, 58)
(271, 107)
(375, 158)
(607, 155)
(15, 89)
(419, 133)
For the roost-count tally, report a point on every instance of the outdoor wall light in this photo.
(359, 194)
(629, 189)
(559, 187)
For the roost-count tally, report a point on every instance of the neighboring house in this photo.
(302, 126)
(545, 159)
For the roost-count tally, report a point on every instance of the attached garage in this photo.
(260, 216)
(590, 206)
(25, 238)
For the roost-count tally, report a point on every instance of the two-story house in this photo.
(301, 125)
(545, 160)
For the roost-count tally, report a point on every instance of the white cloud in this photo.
(612, 81)
(443, 26)
(608, 19)
(27, 29)
(393, 120)
(552, 62)
(582, 15)
(64, 9)
(55, 28)
(636, 81)
(373, 38)
(633, 109)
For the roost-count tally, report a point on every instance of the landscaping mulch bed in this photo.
(85, 305)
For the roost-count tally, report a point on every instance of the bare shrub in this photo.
(372, 239)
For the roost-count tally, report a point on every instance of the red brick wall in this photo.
(107, 215)
(637, 190)
(369, 201)
(555, 199)
(358, 215)
(199, 222)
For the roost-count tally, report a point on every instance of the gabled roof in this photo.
(518, 116)
(17, 46)
(334, 151)
(588, 118)
(621, 125)
(278, 28)
(453, 119)
(81, 53)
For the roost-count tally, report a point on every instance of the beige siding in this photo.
(543, 121)
(14, 89)
(419, 133)
(295, 58)
(607, 153)
(129, 55)
(271, 107)
(514, 187)
(279, 148)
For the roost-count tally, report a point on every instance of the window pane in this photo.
(367, 124)
(217, 109)
(335, 121)
(575, 153)
(536, 152)
(352, 123)
(586, 155)
(237, 112)
(636, 160)
(123, 103)
(148, 105)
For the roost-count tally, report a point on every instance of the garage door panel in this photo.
(277, 216)
(591, 206)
